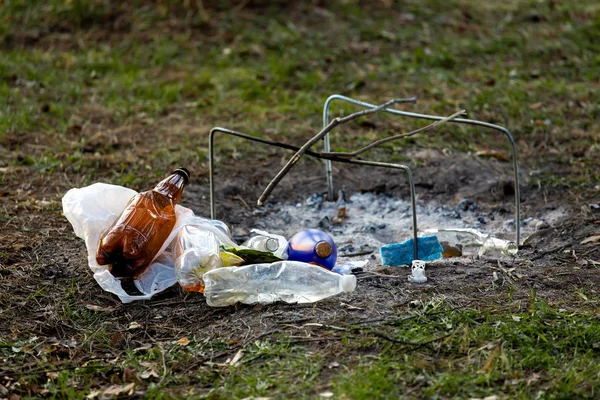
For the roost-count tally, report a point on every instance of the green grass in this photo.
(274, 69)
(517, 355)
(537, 351)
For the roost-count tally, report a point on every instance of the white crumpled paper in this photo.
(93, 209)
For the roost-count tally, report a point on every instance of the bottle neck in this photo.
(172, 186)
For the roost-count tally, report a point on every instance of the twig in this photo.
(240, 6)
(400, 136)
(237, 347)
(587, 253)
(293, 321)
(508, 272)
(164, 365)
(556, 249)
(8, 372)
(317, 339)
(387, 321)
(238, 197)
(393, 340)
(337, 121)
(360, 253)
(369, 274)
(262, 335)
(415, 344)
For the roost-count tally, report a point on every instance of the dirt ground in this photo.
(61, 336)
(45, 263)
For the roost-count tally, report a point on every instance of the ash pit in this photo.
(372, 220)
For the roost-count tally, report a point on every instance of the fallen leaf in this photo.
(214, 364)
(93, 394)
(489, 363)
(134, 325)
(256, 398)
(129, 375)
(116, 390)
(117, 338)
(535, 106)
(52, 375)
(144, 347)
(492, 154)
(149, 374)
(147, 364)
(238, 356)
(516, 318)
(591, 239)
(533, 378)
(350, 307)
(94, 307)
(184, 341)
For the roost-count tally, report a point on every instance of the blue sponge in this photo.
(403, 253)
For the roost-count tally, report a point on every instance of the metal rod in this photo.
(337, 121)
(406, 169)
(327, 146)
(388, 139)
(413, 197)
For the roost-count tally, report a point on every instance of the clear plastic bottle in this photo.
(466, 242)
(265, 241)
(262, 243)
(288, 281)
(135, 238)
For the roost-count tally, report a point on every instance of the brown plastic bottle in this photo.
(132, 242)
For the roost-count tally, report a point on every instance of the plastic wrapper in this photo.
(465, 242)
(197, 251)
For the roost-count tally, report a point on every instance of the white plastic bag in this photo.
(93, 209)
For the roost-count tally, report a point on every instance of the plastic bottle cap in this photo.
(183, 172)
(348, 283)
(323, 249)
(272, 244)
(512, 248)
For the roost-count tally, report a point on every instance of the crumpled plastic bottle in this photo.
(198, 250)
(457, 242)
(288, 281)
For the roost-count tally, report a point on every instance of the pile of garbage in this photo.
(150, 239)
